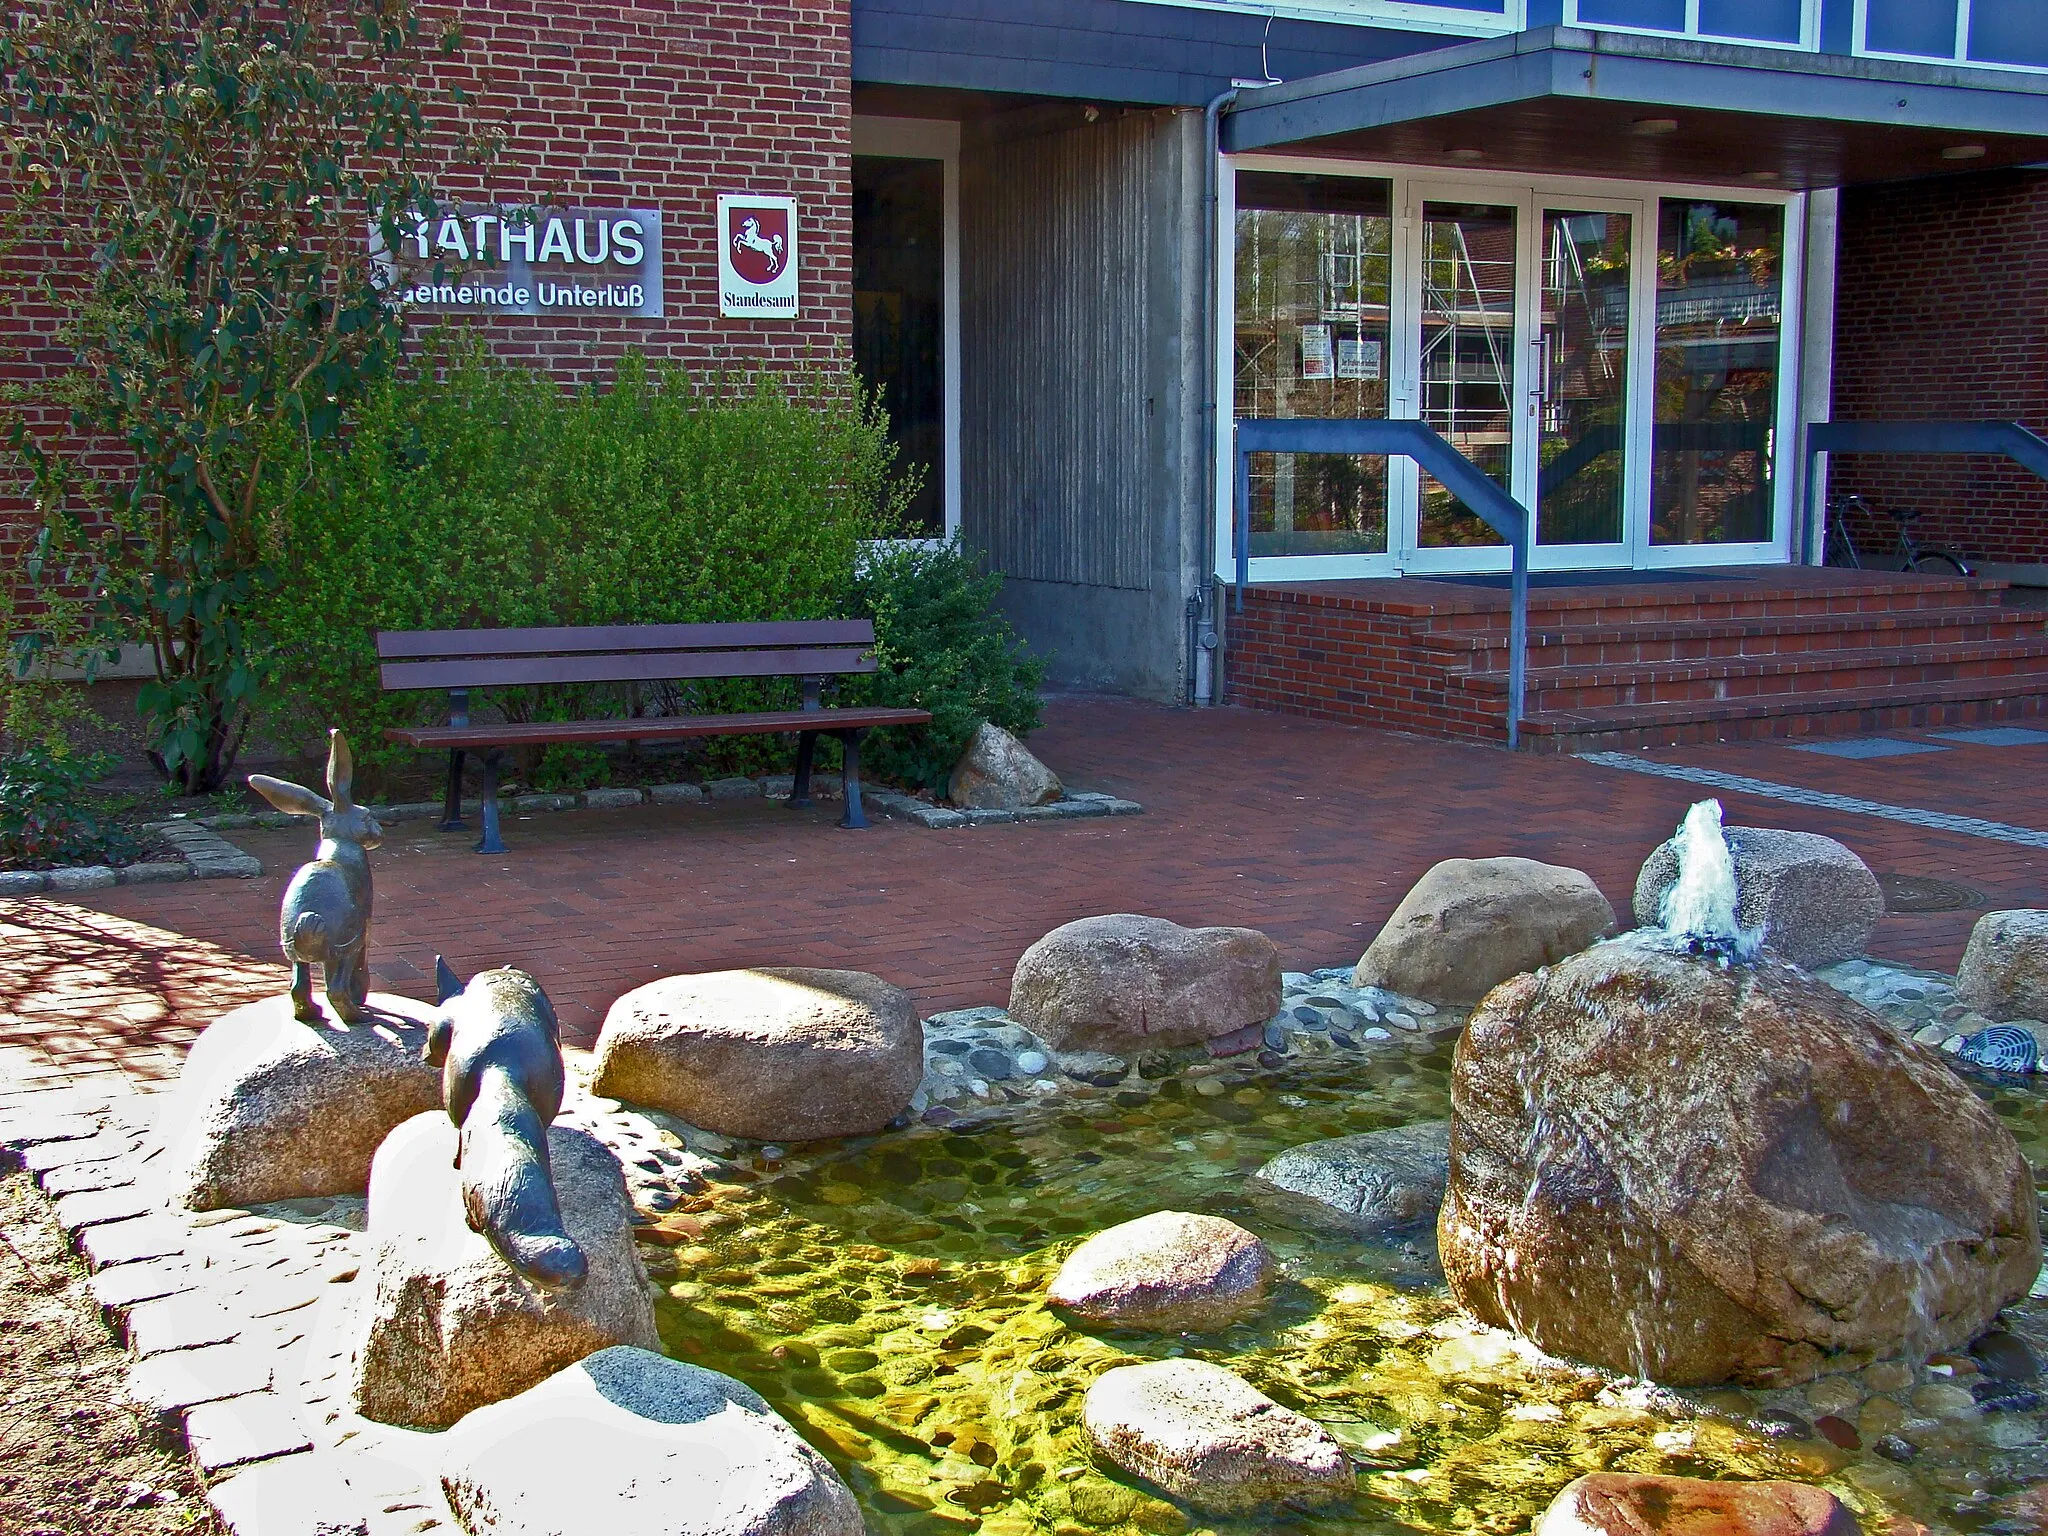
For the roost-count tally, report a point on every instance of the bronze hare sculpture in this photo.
(326, 914)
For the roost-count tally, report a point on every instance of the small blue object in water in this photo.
(2001, 1048)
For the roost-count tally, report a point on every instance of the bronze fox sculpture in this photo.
(325, 919)
(499, 1049)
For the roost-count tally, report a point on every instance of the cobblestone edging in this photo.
(202, 854)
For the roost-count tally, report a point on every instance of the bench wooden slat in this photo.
(652, 727)
(644, 666)
(450, 644)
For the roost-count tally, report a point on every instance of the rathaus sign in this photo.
(491, 260)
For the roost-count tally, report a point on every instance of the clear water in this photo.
(885, 1296)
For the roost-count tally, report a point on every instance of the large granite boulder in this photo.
(1209, 1437)
(783, 1054)
(447, 1325)
(1814, 900)
(1126, 983)
(630, 1443)
(1702, 1173)
(269, 1108)
(998, 773)
(1175, 1271)
(1648, 1504)
(2004, 974)
(1380, 1182)
(1470, 924)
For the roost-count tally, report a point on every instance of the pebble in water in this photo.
(2005, 1356)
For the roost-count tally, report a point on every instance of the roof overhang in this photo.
(1560, 99)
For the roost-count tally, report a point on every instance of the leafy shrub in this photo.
(43, 815)
(473, 494)
(942, 646)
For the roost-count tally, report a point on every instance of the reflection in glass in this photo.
(1468, 356)
(1313, 275)
(899, 236)
(1581, 383)
(1720, 276)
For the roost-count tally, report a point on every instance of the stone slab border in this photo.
(202, 854)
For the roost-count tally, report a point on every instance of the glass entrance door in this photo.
(1517, 333)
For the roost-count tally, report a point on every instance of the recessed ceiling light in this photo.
(1466, 154)
(1963, 152)
(1653, 127)
(1759, 175)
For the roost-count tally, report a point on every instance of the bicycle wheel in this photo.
(1939, 562)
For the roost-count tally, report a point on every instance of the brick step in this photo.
(1680, 605)
(1608, 644)
(1801, 673)
(1851, 712)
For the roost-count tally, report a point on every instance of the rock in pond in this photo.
(447, 1325)
(2004, 974)
(1701, 1173)
(269, 1108)
(1815, 901)
(1124, 983)
(1646, 1504)
(1470, 924)
(774, 1054)
(1380, 1182)
(1175, 1271)
(630, 1443)
(1207, 1436)
(998, 773)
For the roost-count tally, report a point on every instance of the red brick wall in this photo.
(1942, 312)
(668, 106)
(1304, 654)
(635, 106)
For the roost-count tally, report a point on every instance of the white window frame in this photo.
(1960, 54)
(1642, 554)
(1809, 27)
(920, 138)
(1459, 21)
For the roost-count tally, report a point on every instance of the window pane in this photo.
(1582, 377)
(899, 235)
(1665, 15)
(1720, 282)
(1925, 27)
(2009, 32)
(1468, 358)
(1763, 21)
(1313, 268)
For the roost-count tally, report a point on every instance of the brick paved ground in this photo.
(1308, 830)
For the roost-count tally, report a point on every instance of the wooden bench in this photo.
(461, 659)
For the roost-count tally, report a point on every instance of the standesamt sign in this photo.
(757, 256)
(529, 261)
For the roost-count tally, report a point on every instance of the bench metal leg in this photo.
(491, 842)
(800, 790)
(850, 742)
(451, 800)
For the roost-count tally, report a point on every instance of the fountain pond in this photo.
(885, 1295)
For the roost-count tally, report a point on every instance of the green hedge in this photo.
(473, 494)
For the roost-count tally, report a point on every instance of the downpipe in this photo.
(1206, 640)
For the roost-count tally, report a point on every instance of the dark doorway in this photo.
(899, 277)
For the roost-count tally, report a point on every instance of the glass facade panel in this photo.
(1664, 15)
(2009, 32)
(1582, 378)
(1313, 283)
(1720, 312)
(1761, 21)
(899, 314)
(1468, 357)
(1925, 27)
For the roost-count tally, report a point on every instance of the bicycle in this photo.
(1839, 546)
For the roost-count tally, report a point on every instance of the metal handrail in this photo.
(2006, 439)
(1421, 442)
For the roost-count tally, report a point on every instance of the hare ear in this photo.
(294, 799)
(446, 982)
(341, 767)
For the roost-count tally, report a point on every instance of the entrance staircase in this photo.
(1790, 652)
